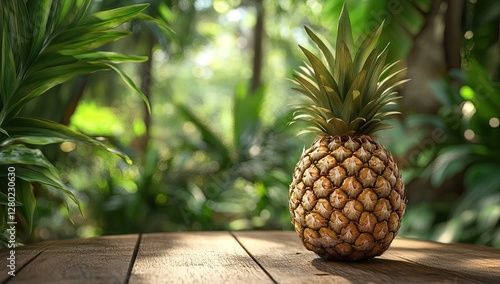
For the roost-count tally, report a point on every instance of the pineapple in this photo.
(347, 195)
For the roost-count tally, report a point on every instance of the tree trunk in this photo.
(257, 47)
(453, 33)
(146, 74)
(79, 89)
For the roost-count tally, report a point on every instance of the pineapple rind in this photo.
(347, 198)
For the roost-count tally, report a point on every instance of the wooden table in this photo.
(241, 257)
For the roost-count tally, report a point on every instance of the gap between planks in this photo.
(25, 264)
(97, 260)
(195, 257)
(253, 258)
(133, 258)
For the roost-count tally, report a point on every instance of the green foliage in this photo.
(219, 156)
(468, 124)
(46, 43)
(207, 182)
(244, 178)
(350, 88)
(461, 141)
(402, 20)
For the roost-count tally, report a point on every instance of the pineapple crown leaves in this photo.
(349, 88)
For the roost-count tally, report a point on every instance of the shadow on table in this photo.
(393, 271)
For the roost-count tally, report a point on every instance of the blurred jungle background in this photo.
(215, 152)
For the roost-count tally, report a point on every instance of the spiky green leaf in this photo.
(368, 44)
(26, 197)
(32, 166)
(344, 31)
(348, 92)
(34, 131)
(324, 49)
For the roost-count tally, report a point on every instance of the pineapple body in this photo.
(347, 198)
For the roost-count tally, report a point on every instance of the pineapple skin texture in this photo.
(347, 198)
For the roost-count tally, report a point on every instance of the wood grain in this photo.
(406, 261)
(94, 260)
(194, 257)
(464, 262)
(243, 257)
(24, 254)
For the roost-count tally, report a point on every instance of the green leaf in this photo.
(207, 134)
(343, 70)
(63, 9)
(351, 104)
(111, 18)
(39, 11)
(4, 200)
(356, 123)
(3, 131)
(40, 174)
(25, 195)
(44, 67)
(19, 154)
(369, 43)
(334, 98)
(403, 20)
(320, 70)
(450, 161)
(7, 68)
(246, 113)
(67, 13)
(132, 85)
(391, 81)
(32, 166)
(482, 92)
(309, 88)
(344, 33)
(161, 24)
(481, 180)
(86, 41)
(42, 132)
(357, 99)
(373, 126)
(44, 176)
(339, 126)
(103, 56)
(43, 80)
(324, 49)
(373, 73)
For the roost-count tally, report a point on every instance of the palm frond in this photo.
(45, 43)
(58, 53)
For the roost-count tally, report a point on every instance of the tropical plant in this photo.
(457, 153)
(466, 150)
(44, 44)
(203, 182)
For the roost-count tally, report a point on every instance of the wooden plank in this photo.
(94, 260)
(23, 255)
(407, 261)
(284, 258)
(243, 257)
(480, 263)
(194, 257)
